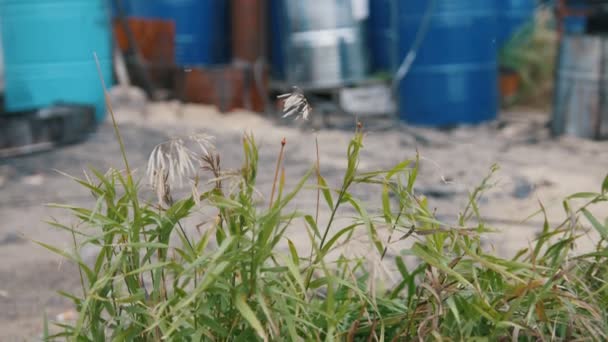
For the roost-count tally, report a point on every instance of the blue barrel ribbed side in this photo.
(453, 79)
(380, 36)
(576, 24)
(202, 28)
(278, 38)
(512, 16)
(48, 50)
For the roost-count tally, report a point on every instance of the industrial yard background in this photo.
(466, 84)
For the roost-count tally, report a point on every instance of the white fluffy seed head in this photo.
(175, 162)
(295, 103)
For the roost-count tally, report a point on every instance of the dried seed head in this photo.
(295, 103)
(173, 162)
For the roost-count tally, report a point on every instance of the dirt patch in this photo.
(533, 167)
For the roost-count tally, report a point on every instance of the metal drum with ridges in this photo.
(512, 16)
(381, 35)
(317, 43)
(582, 87)
(201, 28)
(277, 39)
(48, 48)
(453, 79)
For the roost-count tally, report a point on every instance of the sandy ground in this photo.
(533, 167)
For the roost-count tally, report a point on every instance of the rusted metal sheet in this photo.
(155, 42)
(248, 31)
(155, 39)
(580, 103)
(226, 87)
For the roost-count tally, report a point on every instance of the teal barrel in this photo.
(48, 50)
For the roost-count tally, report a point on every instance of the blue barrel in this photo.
(576, 24)
(277, 38)
(48, 52)
(380, 35)
(202, 28)
(512, 16)
(453, 79)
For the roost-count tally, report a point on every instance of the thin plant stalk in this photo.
(114, 124)
(134, 257)
(345, 186)
(84, 291)
(390, 237)
(318, 167)
(276, 171)
(318, 171)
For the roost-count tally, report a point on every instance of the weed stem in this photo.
(276, 171)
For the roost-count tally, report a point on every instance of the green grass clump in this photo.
(239, 277)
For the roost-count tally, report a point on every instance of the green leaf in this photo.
(423, 254)
(68, 256)
(140, 245)
(454, 309)
(402, 267)
(249, 315)
(294, 192)
(85, 183)
(205, 258)
(70, 296)
(295, 273)
(336, 236)
(326, 192)
(373, 233)
(544, 236)
(583, 195)
(262, 303)
(407, 278)
(45, 327)
(386, 204)
(603, 230)
(149, 267)
(313, 225)
(223, 202)
(293, 252)
(398, 168)
(66, 228)
(411, 179)
(136, 297)
(605, 185)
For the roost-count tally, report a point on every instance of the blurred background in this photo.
(467, 83)
(435, 63)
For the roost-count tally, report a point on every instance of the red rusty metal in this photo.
(244, 84)
(155, 39)
(226, 87)
(248, 30)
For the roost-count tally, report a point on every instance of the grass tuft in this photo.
(241, 277)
